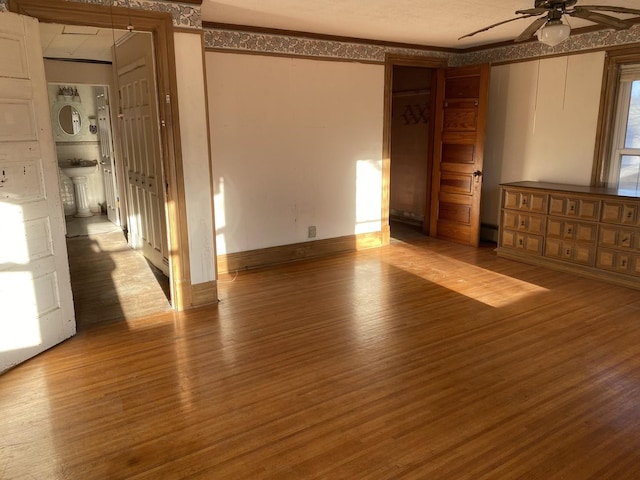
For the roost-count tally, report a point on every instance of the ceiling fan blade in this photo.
(531, 30)
(532, 11)
(554, 4)
(495, 25)
(605, 8)
(605, 20)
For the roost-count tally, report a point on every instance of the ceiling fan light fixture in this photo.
(554, 32)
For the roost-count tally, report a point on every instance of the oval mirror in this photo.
(69, 120)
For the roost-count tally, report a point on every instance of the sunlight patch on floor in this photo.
(494, 289)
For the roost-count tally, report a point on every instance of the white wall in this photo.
(195, 155)
(291, 137)
(59, 71)
(295, 143)
(541, 124)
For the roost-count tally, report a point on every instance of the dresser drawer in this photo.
(524, 242)
(524, 222)
(526, 201)
(583, 254)
(619, 237)
(621, 213)
(572, 230)
(618, 261)
(577, 207)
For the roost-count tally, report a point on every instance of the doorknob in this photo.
(477, 173)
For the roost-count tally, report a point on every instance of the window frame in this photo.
(608, 118)
(629, 74)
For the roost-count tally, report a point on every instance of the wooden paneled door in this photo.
(140, 147)
(461, 108)
(112, 197)
(36, 307)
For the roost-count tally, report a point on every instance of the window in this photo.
(624, 162)
(617, 156)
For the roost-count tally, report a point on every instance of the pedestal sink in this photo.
(78, 171)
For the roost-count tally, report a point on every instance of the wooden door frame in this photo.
(160, 25)
(391, 60)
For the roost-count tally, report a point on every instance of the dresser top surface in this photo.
(560, 187)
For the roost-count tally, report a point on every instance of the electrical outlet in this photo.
(312, 231)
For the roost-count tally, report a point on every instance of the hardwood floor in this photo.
(420, 360)
(110, 281)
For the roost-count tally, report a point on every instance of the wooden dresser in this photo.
(585, 230)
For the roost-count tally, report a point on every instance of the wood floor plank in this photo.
(418, 360)
(112, 282)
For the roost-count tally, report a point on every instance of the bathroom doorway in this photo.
(81, 125)
(124, 213)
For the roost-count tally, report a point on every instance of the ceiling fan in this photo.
(550, 28)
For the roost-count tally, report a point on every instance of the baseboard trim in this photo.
(204, 294)
(263, 257)
(489, 232)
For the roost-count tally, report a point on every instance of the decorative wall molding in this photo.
(289, 45)
(598, 39)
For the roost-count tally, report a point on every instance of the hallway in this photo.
(110, 281)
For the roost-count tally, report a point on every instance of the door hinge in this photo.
(167, 99)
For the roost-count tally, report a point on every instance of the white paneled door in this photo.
(36, 306)
(112, 197)
(140, 147)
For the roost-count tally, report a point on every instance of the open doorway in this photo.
(410, 89)
(160, 26)
(111, 172)
(459, 107)
(411, 158)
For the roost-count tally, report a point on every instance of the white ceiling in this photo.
(84, 43)
(436, 23)
(425, 22)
